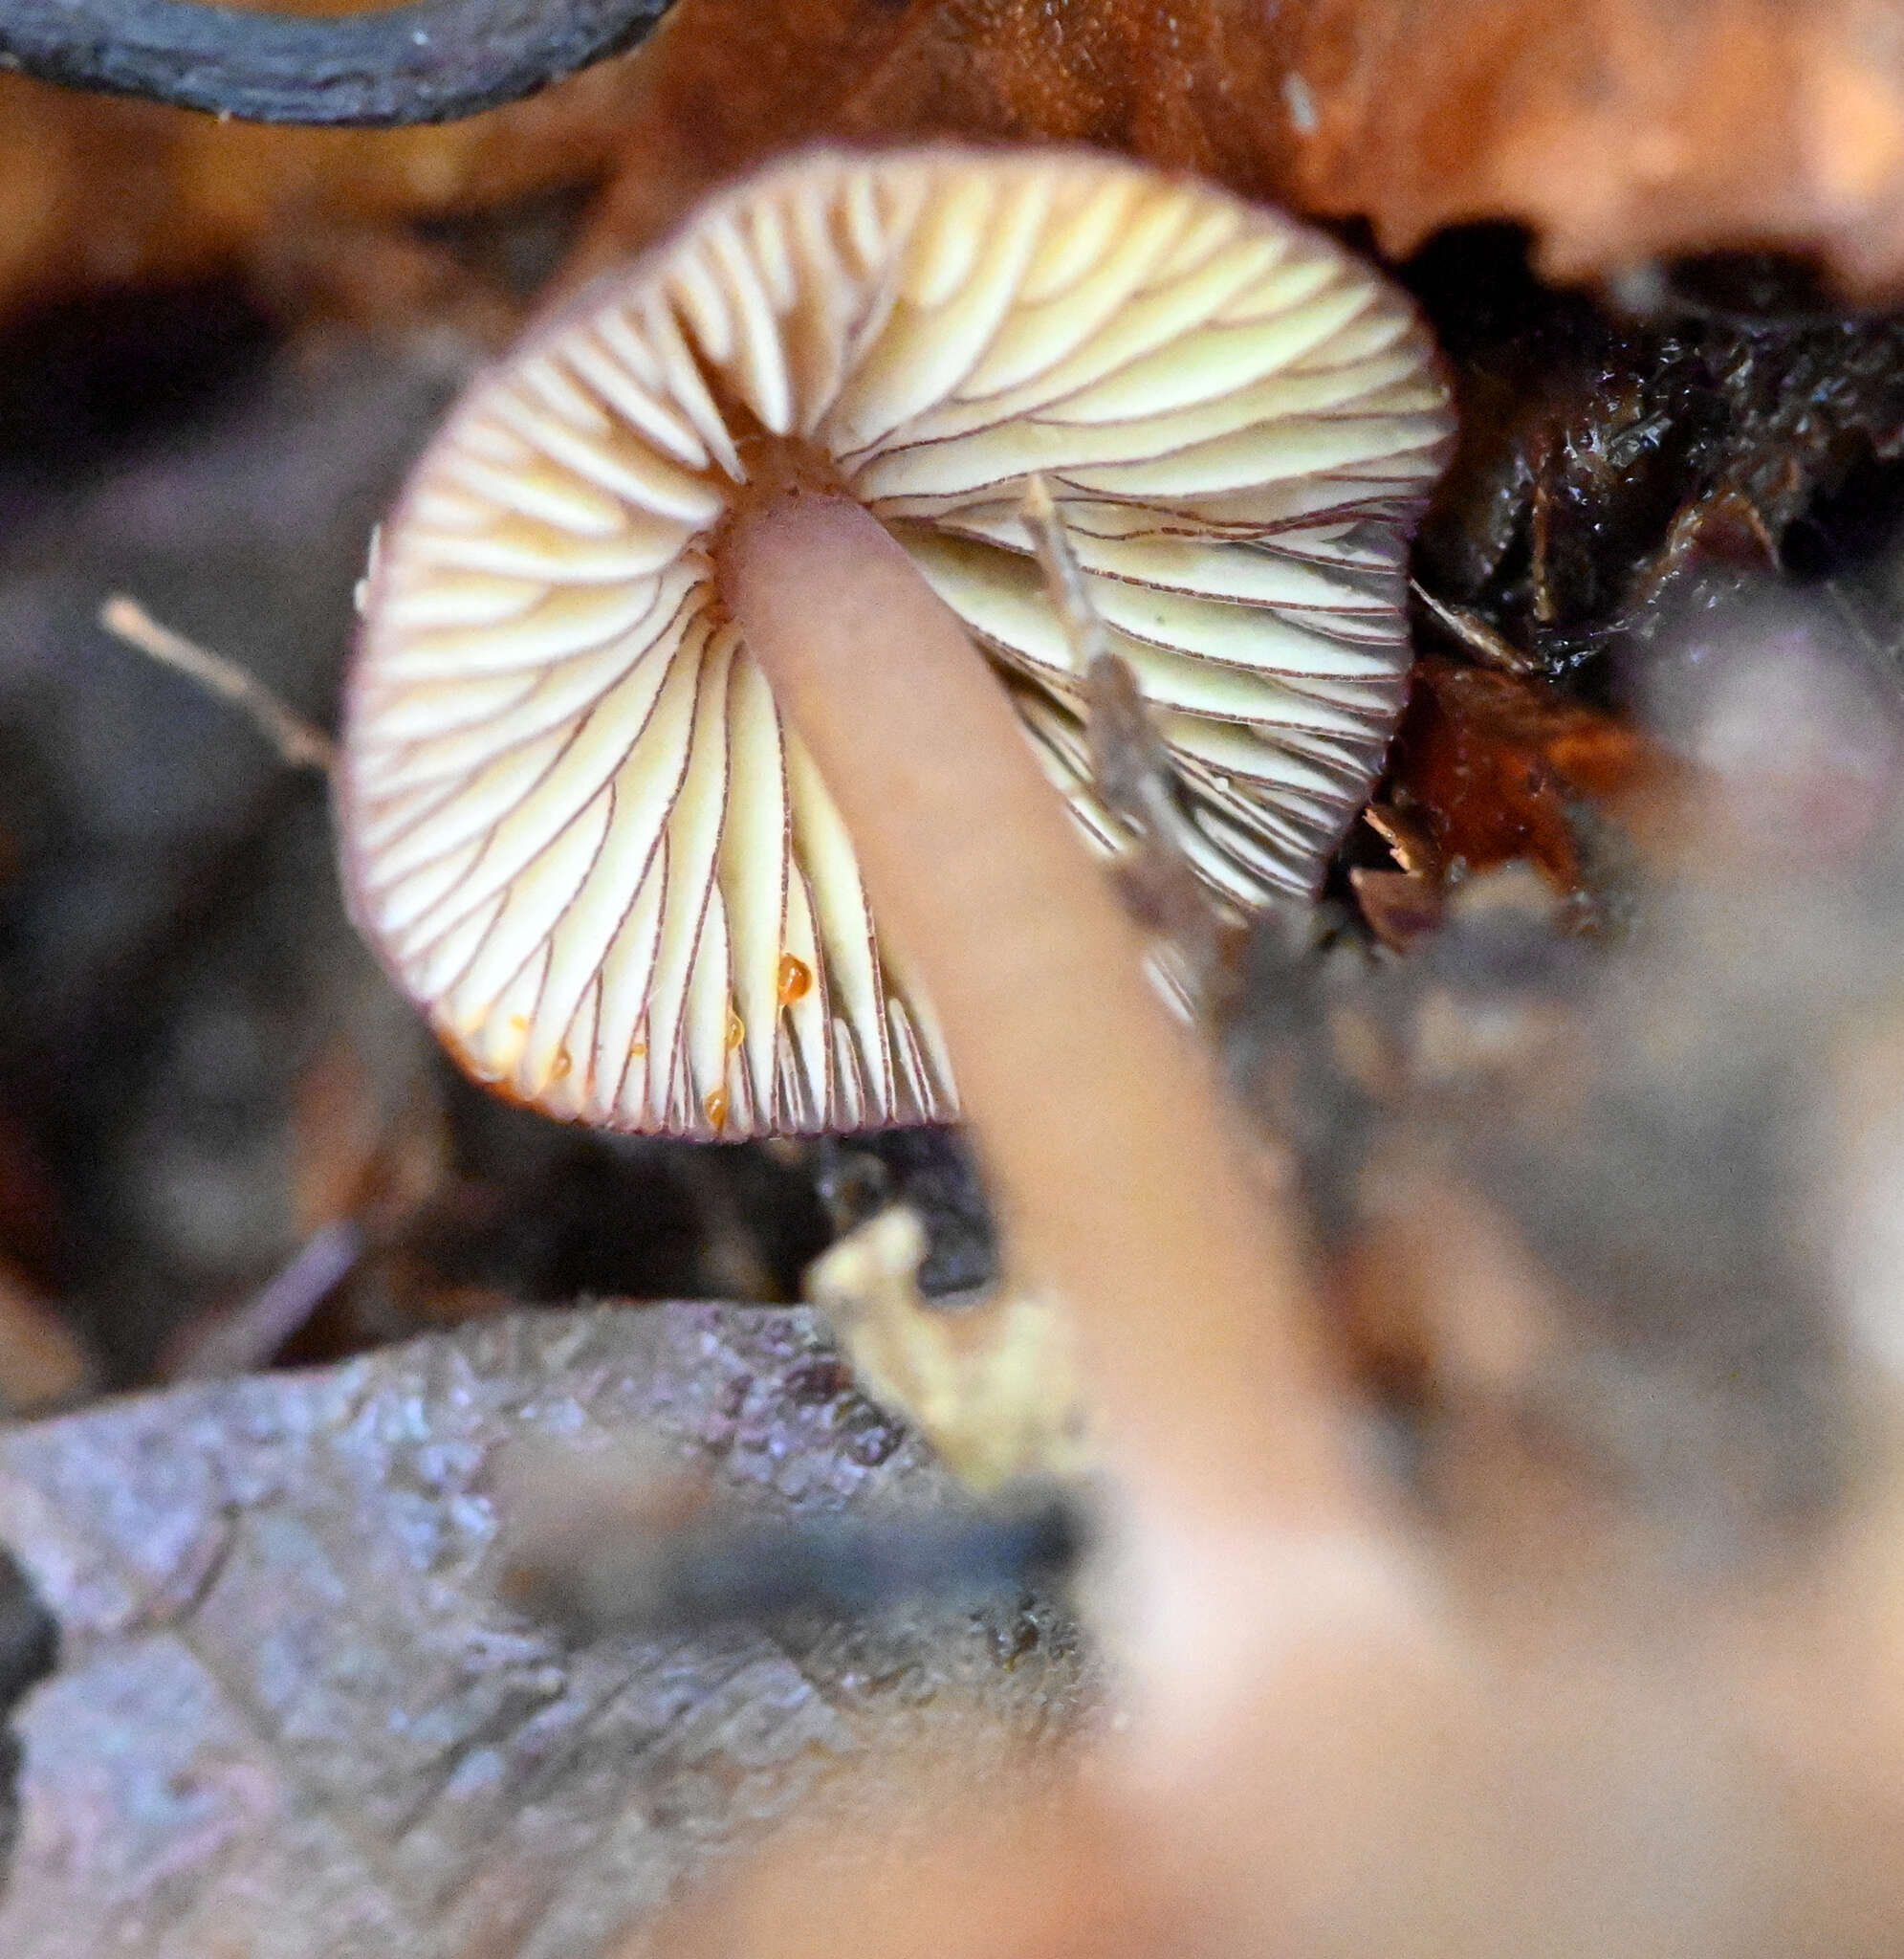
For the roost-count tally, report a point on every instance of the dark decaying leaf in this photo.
(291, 1717)
(1606, 460)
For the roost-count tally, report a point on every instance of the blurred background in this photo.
(225, 1142)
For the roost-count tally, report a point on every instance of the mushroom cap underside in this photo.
(573, 825)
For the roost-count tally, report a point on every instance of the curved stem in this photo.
(1113, 1157)
(430, 63)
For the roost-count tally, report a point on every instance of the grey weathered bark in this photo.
(433, 61)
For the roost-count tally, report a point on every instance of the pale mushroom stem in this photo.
(1112, 1157)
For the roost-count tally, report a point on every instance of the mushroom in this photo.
(576, 825)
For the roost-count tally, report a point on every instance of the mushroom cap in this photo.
(573, 825)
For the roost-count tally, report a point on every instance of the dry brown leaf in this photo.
(97, 192)
(292, 1719)
(1617, 129)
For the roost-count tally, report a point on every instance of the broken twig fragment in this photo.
(299, 742)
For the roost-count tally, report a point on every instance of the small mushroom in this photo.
(575, 824)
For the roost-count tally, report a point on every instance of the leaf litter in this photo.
(291, 1716)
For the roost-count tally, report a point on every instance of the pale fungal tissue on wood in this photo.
(573, 825)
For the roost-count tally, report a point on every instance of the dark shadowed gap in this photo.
(86, 381)
(29, 1651)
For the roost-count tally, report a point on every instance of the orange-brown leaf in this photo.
(1616, 129)
(98, 192)
(1492, 762)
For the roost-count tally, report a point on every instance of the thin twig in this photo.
(602, 1570)
(300, 743)
(245, 1339)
